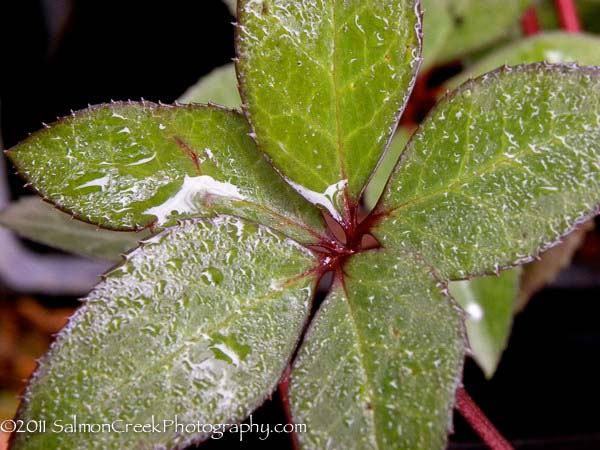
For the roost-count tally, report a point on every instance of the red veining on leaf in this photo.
(351, 236)
(190, 152)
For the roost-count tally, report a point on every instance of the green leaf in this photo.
(489, 303)
(324, 83)
(437, 24)
(134, 165)
(376, 185)
(381, 361)
(197, 325)
(497, 297)
(38, 221)
(555, 47)
(453, 28)
(477, 24)
(500, 170)
(219, 86)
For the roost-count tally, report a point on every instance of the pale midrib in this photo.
(299, 226)
(362, 358)
(484, 171)
(249, 305)
(340, 151)
(343, 360)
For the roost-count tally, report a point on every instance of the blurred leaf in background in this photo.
(489, 303)
(38, 221)
(455, 28)
(219, 86)
(552, 47)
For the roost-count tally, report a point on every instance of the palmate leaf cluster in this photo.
(202, 319)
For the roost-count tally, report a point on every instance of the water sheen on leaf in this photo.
(491, 300)
(133, 165)
(500, 170)
(323, 83)
(199, 323)
(381, 361)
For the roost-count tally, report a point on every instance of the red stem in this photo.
(285, 400)
(529, 22)
(567, 13)
(479, 422)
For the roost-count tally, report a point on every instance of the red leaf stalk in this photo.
(567, 13)
(479, 422)
(529, 22)
(285, 400)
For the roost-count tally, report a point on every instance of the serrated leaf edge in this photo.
(576, 223)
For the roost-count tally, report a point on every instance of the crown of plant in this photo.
(201, 320)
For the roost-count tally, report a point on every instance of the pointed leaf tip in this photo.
(489, 304)
(324, 83)
(134, 165)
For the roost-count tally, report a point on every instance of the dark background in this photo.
(545, 394)
(103, 50)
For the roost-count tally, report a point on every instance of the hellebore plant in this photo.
(201, 320)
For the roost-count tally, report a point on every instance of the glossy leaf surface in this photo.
(499, 171)
(323, 82)
(489, 303)
(198, 323)
(38, 221)
(381, 361)
(219, 86)
(135, 165)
